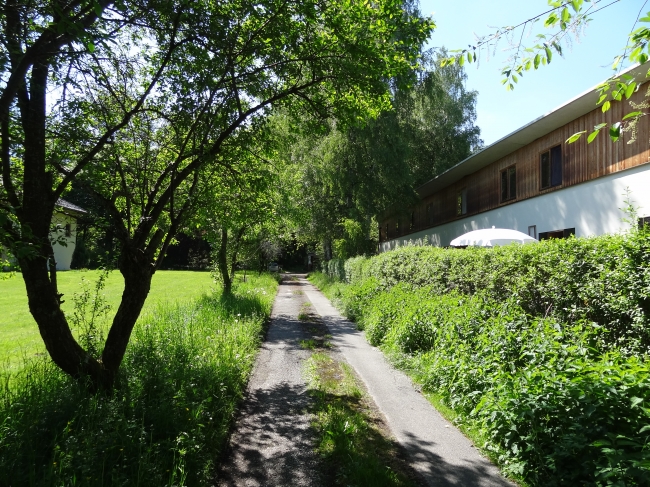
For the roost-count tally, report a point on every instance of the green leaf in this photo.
(536, 61)
(549, 55)
(606, 106)
(575, 137)
(630, 90)
(636, 401)
(600, 126)
(566, 16)
(601, 99)
(645, 428)
(631, 114)
(592, 136)
(615, 131)
(91, 47)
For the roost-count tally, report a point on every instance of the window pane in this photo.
(546, 169)
(556, 166)
(504, 185)
(459, 204)
(513, 182)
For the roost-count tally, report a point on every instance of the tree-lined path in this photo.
(273, 444)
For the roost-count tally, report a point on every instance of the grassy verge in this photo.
(19, 337)
(353, 438)
(166, 422)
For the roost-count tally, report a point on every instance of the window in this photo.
(68, 230)
(430, 214)
(566, 233)
(643, 221)
(532, 231)
(508, 184)
(412, 221)
(551, 167)
(461, 202)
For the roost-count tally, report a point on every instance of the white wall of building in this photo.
(62, 244)
(592, 208)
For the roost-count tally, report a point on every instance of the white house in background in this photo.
(535, 182)
(63, 235)
(64, 232)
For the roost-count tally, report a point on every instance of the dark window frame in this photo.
(430, 214)
(508, 190)
(461, 202)
(564, 233)
(550, 168)
(643, 221)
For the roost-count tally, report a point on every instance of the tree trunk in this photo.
(235, 251)
(53, 326)
(137, 269)
(222, 262)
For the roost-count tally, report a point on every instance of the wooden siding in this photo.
(581, 162)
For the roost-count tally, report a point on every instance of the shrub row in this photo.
(556, 410)
(605, 280)
(541, 348)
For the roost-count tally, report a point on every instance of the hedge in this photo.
(544, 348)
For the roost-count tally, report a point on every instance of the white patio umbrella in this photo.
(491, 237)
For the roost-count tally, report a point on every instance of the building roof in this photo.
(66, 205)
(577, 107)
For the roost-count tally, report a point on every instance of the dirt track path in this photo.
(272, 444)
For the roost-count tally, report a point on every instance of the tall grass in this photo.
(166, 421)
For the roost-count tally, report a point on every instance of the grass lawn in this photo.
(19, 336)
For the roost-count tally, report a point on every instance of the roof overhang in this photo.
(71, 209)
(577, 107)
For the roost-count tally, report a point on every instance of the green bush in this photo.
(334, 269)
(604, 279)
(541, 348)
(355, 269)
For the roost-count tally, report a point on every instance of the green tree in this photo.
(353, 174)
(80, 78)
(564, 20)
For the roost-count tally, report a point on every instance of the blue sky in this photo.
(586, 62)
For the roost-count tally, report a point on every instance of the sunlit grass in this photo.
(167, 421)
(19, 336)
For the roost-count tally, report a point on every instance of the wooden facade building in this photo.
(536, 166)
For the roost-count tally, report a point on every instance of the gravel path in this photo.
(442, 455)
(272, 444)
